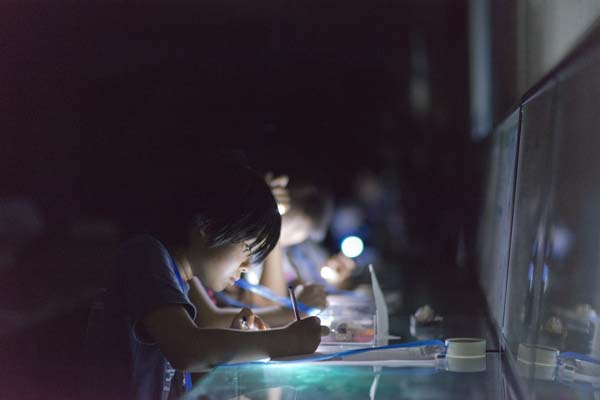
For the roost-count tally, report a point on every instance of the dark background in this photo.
(100, 97)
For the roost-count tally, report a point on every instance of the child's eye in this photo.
(247, 248)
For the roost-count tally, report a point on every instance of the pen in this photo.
(294, 303)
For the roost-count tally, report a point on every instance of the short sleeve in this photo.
(148, 282)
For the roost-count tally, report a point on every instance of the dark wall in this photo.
(99, 98)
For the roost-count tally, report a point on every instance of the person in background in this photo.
(213, 226)
(298, 257)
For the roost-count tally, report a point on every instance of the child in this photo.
(212, 226)
(298, 257)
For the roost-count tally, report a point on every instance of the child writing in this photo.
(212, 227)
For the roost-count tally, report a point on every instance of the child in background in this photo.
(212, 227)
(298, 258)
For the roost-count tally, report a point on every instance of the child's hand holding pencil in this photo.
(324, 331)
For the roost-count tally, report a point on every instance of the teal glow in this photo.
(305, 381)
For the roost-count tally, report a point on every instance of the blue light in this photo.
(352, 246)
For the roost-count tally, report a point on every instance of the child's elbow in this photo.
(181, 363)
(187, 364)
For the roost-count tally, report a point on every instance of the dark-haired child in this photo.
(213, 228)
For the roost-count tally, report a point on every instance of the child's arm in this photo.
(190, 348)
(208, 315)
(272, 277)
(272, 273)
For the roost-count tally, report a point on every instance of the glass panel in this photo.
(532, 186)
(495, 227)
(319, 381)
(571, 257)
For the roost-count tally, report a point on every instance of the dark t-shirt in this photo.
(128, 364)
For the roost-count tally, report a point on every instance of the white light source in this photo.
(326, 320)
(352, 246)
(281, 208)
(314, 311)
(253, 277)
(328, 273)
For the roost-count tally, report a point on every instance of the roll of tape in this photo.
(537, 362)
(544, 356)
(465, 348)
(535, 371)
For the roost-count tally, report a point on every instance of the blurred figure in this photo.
(299, 259)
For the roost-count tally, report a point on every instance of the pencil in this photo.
(294, 303)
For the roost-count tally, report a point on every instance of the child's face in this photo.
(218, 267)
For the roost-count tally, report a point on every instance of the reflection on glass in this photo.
(528, 276)
(572, 255)
(321, 381)
(273, 393)
(553, 293)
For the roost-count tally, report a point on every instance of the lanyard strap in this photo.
(177, 274)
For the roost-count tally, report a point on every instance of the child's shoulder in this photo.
(143, 244)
